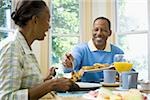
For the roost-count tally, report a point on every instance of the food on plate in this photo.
(99, 65)
(95, 66)
(75, 76)
(106, 94)
(93, 93)
(87, 67)
(116, 97)
(133, 94)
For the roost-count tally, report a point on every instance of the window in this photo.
(132, 32)
(5, 20)
(65, 28)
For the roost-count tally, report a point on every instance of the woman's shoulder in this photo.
(9, 45)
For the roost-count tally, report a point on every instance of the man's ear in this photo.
(110, 33)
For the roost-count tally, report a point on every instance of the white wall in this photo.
(104, 8)
(40, 49)
(149, 40)
(98, 8)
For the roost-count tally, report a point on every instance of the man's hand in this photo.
(68, 61)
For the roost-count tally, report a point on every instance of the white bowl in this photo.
(145, 85)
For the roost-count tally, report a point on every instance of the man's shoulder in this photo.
(116, 48)
(82, 45)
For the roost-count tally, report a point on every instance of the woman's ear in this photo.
(34, 19)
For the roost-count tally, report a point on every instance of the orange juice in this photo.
(122, 66)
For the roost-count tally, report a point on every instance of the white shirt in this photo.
(93, 48)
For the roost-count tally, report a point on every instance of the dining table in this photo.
(79, 95)
(60, 97)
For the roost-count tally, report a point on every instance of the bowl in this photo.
(145, 85)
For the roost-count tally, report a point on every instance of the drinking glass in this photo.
(121, 64)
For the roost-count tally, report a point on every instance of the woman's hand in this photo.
(61, 84)
(56, 84)
(51, 73)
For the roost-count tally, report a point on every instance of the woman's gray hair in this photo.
(25, 10)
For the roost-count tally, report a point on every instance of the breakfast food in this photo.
(77, 75)
(98, 65)
(87, 67)
(106, 94)
(95, 66)
(133, 94)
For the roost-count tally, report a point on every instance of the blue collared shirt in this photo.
(86, 54)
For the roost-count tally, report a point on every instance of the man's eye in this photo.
(105, 31)
(96, 29)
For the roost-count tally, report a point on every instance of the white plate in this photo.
(98, 69)
(121, 89)
(110, 84)
(141, 89)
(88, 85)
(89, 97)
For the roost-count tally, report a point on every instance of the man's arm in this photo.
(72, 61)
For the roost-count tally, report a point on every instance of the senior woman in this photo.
(20, 76)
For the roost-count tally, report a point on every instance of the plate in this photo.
(121, 89)
(88, 86)
(141, 89)
(98, 69)
(110, 84)
(89, 97)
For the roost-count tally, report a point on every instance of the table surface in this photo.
(76, 95)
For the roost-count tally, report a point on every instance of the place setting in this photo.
(144, 86)
(127, 78)
(109, 78)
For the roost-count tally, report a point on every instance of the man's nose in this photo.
(100, 32)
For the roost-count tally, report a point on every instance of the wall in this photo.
(98, 8)
(40, 49)
(149, 41)
(86, 19)
(104, 8)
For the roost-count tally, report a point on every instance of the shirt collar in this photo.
(93, 48)
(23, 42)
